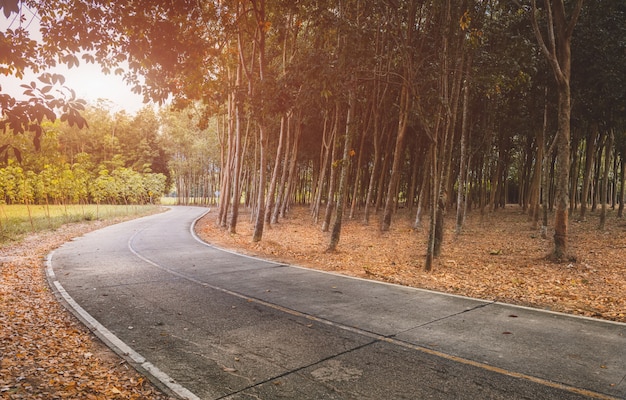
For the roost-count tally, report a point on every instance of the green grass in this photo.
(17, 221)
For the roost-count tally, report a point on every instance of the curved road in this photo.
(210, 324)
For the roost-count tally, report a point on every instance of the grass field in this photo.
(19, 220)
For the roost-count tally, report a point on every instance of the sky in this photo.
(86, 80)
(89, 83)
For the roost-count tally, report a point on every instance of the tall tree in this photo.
(556, 47)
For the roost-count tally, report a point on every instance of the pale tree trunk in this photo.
(271, 195)
(589, 163)
(423, 195)
(557, 50)
(462, 189)
(357, 179)
(540, 166)
(605, 179)
(283, 177)
(236, 170)
(622, 180)
(330, 202)
(226, 179)
(574, 173)
(375, 167)
(291, 181)
(325, 163)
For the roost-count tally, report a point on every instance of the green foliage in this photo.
(117, 160)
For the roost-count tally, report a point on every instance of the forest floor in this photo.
(498, 257)
(45, 353)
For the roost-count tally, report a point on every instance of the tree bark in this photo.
(589, 163)
(558, 53)
(343, 179)
(604, 195)
(462, 187)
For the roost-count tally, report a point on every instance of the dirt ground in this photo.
(497, 257)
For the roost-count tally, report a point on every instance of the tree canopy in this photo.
(357, 105)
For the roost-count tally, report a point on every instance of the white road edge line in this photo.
(114, 341)
(540, 310)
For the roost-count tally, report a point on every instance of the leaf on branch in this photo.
(58, 78)
(45, 78)
(89, 58)
(9, 6)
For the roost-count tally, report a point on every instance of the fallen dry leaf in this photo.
(497, 257)
(45, 352)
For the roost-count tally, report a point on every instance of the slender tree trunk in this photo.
(423, 197)
(260, 214)
(330, 202)
(263, 139)
(622, 181)
(589, 163)
(283, 177)
(271, 193)
(398, 158)
(236, 170)
(462, 187)
(605, 179)
(574, 173)
(434, 184)
(291, 181)
(558, 53)
(343, 179)
(357, 179)
(325, 163)
(539, 166)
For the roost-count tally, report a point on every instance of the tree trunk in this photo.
(343, 179)
(462, 187)
(589, 163)
(291, 179)
(558, 53)
(284, 175)
(271, 192)
(562, 175)
(398, 158)
(263, 140)
(622, 180)
(325, 163)
(605, 179)
(540, 166)
(236, 170)
(357, 179)
(333, 174)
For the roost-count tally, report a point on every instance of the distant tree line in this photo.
(118, 159)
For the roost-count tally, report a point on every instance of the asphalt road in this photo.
(210, 324)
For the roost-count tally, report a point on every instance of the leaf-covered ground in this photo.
(497, 257)
(45, 353)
